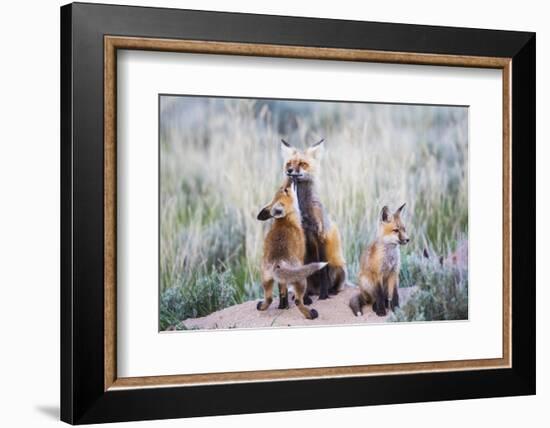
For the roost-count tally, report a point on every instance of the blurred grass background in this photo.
(220, 163)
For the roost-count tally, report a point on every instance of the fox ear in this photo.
(264, 214)
(385, 215)
(316, 151)
(400, 209)
(287, 150)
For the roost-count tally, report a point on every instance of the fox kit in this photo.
(380, 264)
(322, 236)
(284, 251)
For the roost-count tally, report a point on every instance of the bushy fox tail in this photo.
(287, 273)
(357, 302)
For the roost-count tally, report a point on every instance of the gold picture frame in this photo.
(114, 43)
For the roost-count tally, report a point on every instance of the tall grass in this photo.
(220, 163)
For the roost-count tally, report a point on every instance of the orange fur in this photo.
(284, 251)
(380, 265)
(333, 246)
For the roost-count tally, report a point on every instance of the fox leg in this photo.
(307, 298)
(324, 276)
(363, 297)
(311, 256)
(357, 302)
(335, 257)
(283, 296)
(393, 293)
(337, 276)
(268, 295)
(379, 305)
(318, 283)
(300, 289)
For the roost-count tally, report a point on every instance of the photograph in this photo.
(280, 213)
(277, 210)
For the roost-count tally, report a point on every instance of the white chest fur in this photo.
(392, 259)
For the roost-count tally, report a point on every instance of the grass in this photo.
(220, 164)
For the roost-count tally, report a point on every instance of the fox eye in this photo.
(396, 230)
(303, 164)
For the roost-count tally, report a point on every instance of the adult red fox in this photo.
(284, 251)
(322, 236)
(380, 265)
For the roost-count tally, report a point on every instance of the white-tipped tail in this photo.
(287, 273)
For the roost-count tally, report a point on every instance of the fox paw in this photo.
(262, 306)
(381, 312)
(323, 296)
(307, 300)
(379, 309)
(313, 314)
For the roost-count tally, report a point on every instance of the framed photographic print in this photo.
(326, 213)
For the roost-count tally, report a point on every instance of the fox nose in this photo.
(290, 171)
(407, 240)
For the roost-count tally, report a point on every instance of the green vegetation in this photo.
(442, 291)
(220, 164)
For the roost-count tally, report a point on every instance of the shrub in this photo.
(442, 292)
(206, 294)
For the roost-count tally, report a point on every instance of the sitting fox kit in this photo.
(380, 265)
(284, 251)
(322, 236)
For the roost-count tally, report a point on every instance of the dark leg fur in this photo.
(307, 300)
(337, 276)
(380, 300)
(283, 297)
(283, 302)
(311, 257)
(324, 274)
(394, 303)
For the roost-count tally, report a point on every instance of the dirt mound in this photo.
(334, 310)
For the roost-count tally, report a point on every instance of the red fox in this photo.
(322, 235)
(284, 251)
(380, 265)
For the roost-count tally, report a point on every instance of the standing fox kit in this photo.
(380, 265)
(284, 251)
(322, 236)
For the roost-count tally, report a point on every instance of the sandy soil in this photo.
(334, 310)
